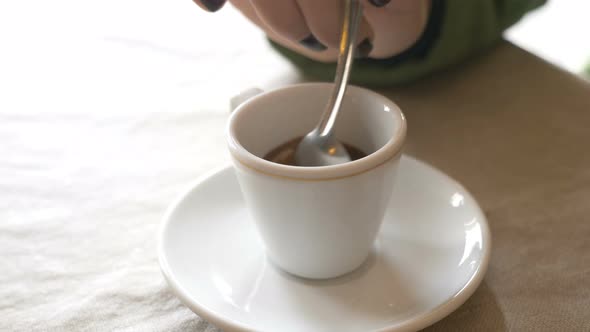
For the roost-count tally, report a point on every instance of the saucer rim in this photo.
(412, 324)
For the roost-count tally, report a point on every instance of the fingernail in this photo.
(312, 43)
(364, 48)
(379, 3)
(213, 5)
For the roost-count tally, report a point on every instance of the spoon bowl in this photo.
(317, 150)
(319, 147)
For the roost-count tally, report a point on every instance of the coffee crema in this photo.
(285, 153)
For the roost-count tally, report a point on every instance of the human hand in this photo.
(312, 27)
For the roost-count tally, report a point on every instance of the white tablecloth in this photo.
(82, 196)
(107, 111)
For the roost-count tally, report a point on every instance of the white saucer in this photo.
(430, 256)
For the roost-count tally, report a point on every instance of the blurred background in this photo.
(134, 55)
(557, 32)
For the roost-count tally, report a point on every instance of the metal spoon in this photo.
(319, 147)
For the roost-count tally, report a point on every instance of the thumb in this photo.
(210, 5)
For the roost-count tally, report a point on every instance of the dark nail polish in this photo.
(364, 48)
(379, 3)
(213, 5)
(312, 43)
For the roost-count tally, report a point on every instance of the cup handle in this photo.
(240, 98)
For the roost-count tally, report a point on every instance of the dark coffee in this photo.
(285, 153)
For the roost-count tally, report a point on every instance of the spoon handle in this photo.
(353, 12)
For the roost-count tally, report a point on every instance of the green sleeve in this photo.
(466, 27)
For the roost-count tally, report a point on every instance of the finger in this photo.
(245, 7)
(397, 25)
(285, 19)
(248, 10)
(324, 19)
(210, 5)
(379, 3)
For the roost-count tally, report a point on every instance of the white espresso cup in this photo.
(316, 222)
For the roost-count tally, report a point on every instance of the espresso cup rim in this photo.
(387, 152)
